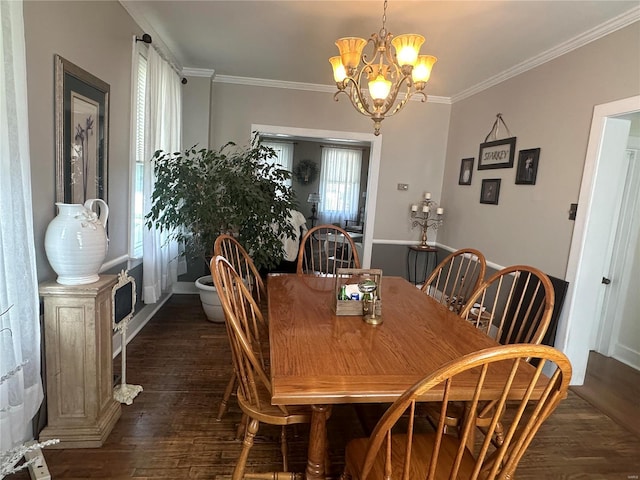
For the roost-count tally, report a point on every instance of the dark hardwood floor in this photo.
(170, 431)
(614, 388)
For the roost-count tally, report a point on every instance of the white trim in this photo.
(199, 72)
(621, 21)
(185, 288)
(374, 169)
(163, 50)
(308, 87)
(489, 263)
(627, 355)
(113, 263)
(136, 323)
(570, 336)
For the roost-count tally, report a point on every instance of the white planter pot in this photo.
(76, 242)
(210, 300)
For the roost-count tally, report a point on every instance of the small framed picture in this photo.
(490, 191)
(497, 154)
(527, 166)
(466, 171)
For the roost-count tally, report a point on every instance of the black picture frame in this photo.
(490, 191)
(497, 154)
(82, 134)
(527, 169)
(466, 171)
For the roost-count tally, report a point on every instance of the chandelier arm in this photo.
(354, 96)
(393, 94)
(409, 95)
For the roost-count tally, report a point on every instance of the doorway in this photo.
(591, 256)
(375, 144)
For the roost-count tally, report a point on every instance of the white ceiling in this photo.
(478, 43)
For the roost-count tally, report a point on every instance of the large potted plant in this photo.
(200, 194)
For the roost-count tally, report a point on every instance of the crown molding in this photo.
(199, 72)
(309, 87)
(156, 40)
(616, 23)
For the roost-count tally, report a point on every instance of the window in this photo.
(139, 104)
(339, 184)
(284, 156)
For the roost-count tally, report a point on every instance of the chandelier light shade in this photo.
(393, 74)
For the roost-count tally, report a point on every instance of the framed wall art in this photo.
(490, 191)
(527, 168)
(497, 154)
(82, 133)
(466, 171)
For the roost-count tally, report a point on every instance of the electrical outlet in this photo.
(403, 186)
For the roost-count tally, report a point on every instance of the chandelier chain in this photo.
(383, 32)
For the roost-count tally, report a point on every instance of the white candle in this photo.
(427, 196)
(414, 208)
(425, 208)
(440, 211)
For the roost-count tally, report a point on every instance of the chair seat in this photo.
(273, 414)
(356, 450)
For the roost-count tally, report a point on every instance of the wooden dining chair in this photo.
(324, 249)
(454, 280)
(402, 447)
(228, 247)
(246, 336)
(514, 305)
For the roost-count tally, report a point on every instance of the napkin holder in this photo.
(346, 276)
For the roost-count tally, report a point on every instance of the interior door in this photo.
(619, 330)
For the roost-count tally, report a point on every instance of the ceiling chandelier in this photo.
(385, 74)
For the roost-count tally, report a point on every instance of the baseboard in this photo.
(138, 321)
(38, 469)
(627, 355)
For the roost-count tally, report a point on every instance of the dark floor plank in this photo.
(183, 363)
(614, 388)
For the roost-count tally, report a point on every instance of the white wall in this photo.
(628, 341)
(548, 107)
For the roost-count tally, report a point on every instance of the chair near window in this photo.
(411, 452)
(454, 280)
(246, 336)
(228, 247)
(324, 249)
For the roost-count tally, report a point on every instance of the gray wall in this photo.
(548, 107)
(195, 112)
(96, 36)
(413, 143)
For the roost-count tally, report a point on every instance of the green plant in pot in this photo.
(201, 193)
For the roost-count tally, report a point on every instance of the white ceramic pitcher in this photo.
(76, 242)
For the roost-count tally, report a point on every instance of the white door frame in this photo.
(607, 340)
(579, 319)
(374, 170)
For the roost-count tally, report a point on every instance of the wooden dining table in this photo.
(320, 359)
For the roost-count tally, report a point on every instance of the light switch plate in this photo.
(403, 186)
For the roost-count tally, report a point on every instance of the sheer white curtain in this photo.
(339, 184)
(162, 132)
(284, 156)
(21, 392)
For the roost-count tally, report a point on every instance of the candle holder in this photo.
(426, 214)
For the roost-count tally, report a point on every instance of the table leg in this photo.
(316, 456)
